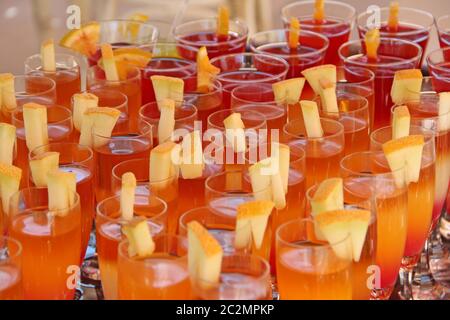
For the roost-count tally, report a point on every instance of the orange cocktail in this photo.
(365, 180)
(67, 75)
(167, 189)
(78, 159)
(310, 270)
(52, 236)
(131, 87)
(162, 276)
(10, 269)
(322, 154)
(108, 226)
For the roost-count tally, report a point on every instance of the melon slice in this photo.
(444, 111)
(328, 96)
(406, 86)
(400, 122)
(372, 42)
(223, 21)
(166, 123)
(41, 165)
(9, 184)
(164, 163)
(235, 133)
(35, 123)
(48, 56)
(288, 91)
(315, 74)
(206, 72)
(294, 34)
(393, 16)
(192, 163)
(82, 102)
(167, 88)
(8, 143)
(7, 92)
(311, 119)
(319, 11)
(127, 195)
(61, 191)
(97, 126)
(140, 241)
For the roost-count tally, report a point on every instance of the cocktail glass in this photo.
(439, 67)
(10, 269)
(443, 27)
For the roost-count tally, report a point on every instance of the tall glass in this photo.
(171, 60)
(337, 26)
(360, 275)
(394, 55)
(310, 52)
(322, 154)
(78, 159)
(11, 287)
(201, 33)
(124, 33)
(185, 116)
(166, 189)
(162, 276)
(59, 127)
(354, 116)
(131, 87)
(108, 226)
(439, 67)
(51, 243)
(242, 277)
(313, 266)
(30, 88)
(247, 68)
(67, 75)
(124, 144)
(413, 25)
(443, 28)
(365, 179)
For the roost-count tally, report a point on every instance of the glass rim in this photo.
(183, 225)
(76, 203)
(379, 64)
(95, 80)
(217, 86)
(252, 54)
(361, 108)
(141, 23)
(32, 154)
(253, 259)
(233, 22)
(67, 118)
(428, 134)
(184, 104)
(366, 174)
(17, 254)
(191, 65)
(143, 134)
(324, 246)
(295, 150)
(250, 85)
(399, 33)
(350, 69)
(433, 65)
(413, 117)
(178, 237)
(351, 17)
(108, 91)
(156, 218)
(57, 55)
(438, 27)
(317, 52)
(261, 118)
(43, 93)
(122, 163)
(325, 137)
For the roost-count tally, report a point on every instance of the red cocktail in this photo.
(443, 27)
(393, 55)
(439, 67)
(336, 27)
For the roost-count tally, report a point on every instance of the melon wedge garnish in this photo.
(133, 56)
(283, 153)
(204, 255)
(444, 111)
(311, 119)
(9, 184)
(109, 63)
(82, 102)
(164, 163)
(166, 123)
(7, 92)
(97, 125)
(140, 241)
(314, 75)
(251, 223)
(405, 153)
(288, 91)
(223, 22)
(294, 34)
(48, 56)
(192, 162)
(8, 143)
(206, 72)
(35, 124)
(127, 196)
(61, 191)
(401, 120)
(406, 86)
(328, 96)
(168, 88)
(337, 225)
(372, 42)
(319, 11)
(393, 17)
(234, 132)
(83, 40)
(41, 165)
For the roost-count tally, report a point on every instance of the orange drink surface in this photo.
(109, 234)
(162, 276)
(55, 239)
(309, 270)
(10, 269)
